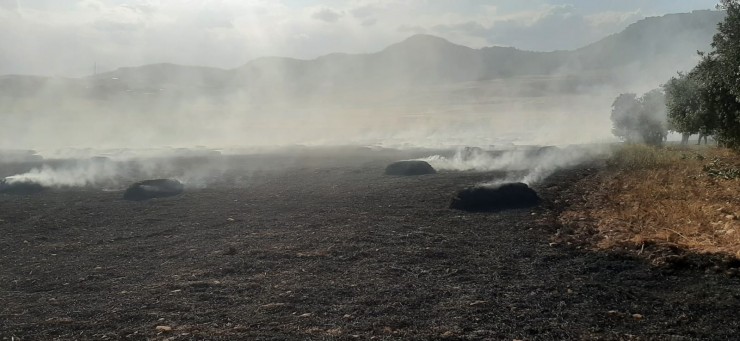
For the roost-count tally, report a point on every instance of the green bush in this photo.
(718, 169)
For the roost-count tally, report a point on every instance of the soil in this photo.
(327, 247)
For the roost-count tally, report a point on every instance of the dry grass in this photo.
(639, 156)
(676, 197)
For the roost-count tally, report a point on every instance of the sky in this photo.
(68, 38)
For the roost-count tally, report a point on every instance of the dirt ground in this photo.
(327, 247)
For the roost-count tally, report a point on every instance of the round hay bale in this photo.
(20, 187)
(100, 159)
(489, 199)
(150, 189)
(409, 167)
(470, 153)
(542, 151)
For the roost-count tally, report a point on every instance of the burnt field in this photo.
(323, 245)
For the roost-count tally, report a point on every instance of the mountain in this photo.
(655, 40)
(657, 45)
(425, 58)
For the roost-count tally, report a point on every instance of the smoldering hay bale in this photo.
(20, 187)
(410, 167)
(470, 153)
(150, 189)
(489, 199)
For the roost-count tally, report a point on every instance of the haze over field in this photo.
(455, 73)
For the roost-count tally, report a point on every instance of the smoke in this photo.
(195, 169)
(421, 92)
(79, 174)
(528, 165)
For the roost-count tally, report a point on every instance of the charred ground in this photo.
(327, 248)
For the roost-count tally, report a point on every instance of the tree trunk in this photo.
(698, 142)
(685, 138)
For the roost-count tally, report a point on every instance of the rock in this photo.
(20, 187)
(163, 329)
(614, 313)
(448, 334)
(274, 306)
(410, 167)
(149, 189)
(488, 199)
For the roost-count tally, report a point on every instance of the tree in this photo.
(726, 48)
(719, 102)
(640, 119)
(690, 102)
(718, 74)
(624, 115)
(683, 104)
(652, 120)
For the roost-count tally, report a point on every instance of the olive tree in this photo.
(640, 120)
(687, 108)
(718, 77)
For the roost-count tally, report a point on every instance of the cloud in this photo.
(560, 27)
(9, 5)
(412, 29)
(469, 28)
(369, 22)
(613, 17)
(120, 18)
(327, 15)
(365, 11)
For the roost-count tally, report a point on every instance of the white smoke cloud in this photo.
(327, 15)
(185, 112)
(75, 168)
(526, 165)
(80, 174)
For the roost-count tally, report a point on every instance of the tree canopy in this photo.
(640, 119)
(707, 99)
(683, 104)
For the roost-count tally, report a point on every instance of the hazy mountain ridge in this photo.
(669, 42)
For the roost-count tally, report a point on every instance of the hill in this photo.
(660, 45)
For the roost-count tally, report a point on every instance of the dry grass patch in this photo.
(682, 198)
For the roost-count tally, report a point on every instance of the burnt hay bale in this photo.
(20, 187)
(410, 167)
(470, 153)
(489, 199)
(150, 189)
